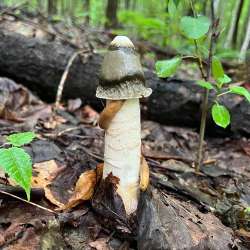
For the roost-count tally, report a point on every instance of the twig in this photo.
(16, 190)
(92, 154)
(206, 93)
(64, 77)
(28, 202)
(170, 157)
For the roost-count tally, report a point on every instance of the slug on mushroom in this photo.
(122, 84)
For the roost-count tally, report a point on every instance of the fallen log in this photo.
(39, 65)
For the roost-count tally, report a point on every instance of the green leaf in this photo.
(206, 85)
(194, 28)
(176, 2)
(167, 68)
(217, 69)
(17, 164)
(223, 80)
(247, 210)
(172, 8)
(221, 115)
(19, 139)
(240, 91)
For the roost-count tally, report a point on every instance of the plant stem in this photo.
(224, 93)
(200, 64)
(206, 93)
(202, 131)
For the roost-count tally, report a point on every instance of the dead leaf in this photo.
(144, 174)
(99, 171)
(54, 121)
(49, 195)
(89, 115)
(44, 173)
(84, 189)
(100, 244)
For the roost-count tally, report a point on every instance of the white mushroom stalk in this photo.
(122, 84)
(123, 152)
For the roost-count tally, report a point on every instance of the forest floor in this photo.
(68, 144)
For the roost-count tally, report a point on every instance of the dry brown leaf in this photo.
(89, 115)
(84, 189)
(99, 171)
(100, 244)
(44, 173)
(49, 195)
(54, 121)
(144, 174)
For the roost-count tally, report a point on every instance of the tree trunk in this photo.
(52, 7)
(246, 42)
(86, 6)
(221, 9)
(230, 34)
(111, 14)
(62, 7)
(134, 4)
(40, 5)
(40, 64)
(216, 6)
(236, 27)
(72, 7)
(127, 4)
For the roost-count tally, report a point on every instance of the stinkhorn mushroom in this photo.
(122, 84)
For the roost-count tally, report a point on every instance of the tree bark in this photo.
(40, 5)
(232, 28)
(52, 7)
(246, 42)
(40, 64)
(86, 5)
(216, 6)
(63, 8)
(236, 27)
(134, 5)
(127, 4)
(111, 14)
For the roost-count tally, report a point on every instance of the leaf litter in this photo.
(65, 158)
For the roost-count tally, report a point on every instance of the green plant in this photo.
(196, 29)
(144, 27)
(16, 162)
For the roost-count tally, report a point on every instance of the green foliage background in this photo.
(152, 20)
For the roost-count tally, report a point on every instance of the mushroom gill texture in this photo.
(122, 78)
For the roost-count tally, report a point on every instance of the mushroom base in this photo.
(109, 206)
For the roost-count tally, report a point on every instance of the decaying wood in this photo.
(166, 223)
(40, 64)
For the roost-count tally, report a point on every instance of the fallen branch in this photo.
(64, 77)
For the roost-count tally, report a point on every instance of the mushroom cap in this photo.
(121, 74)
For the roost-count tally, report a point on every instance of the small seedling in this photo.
(196, 30)
(16, 162)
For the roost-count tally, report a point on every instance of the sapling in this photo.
(196, 28)
(122, 83)
(15, 161)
